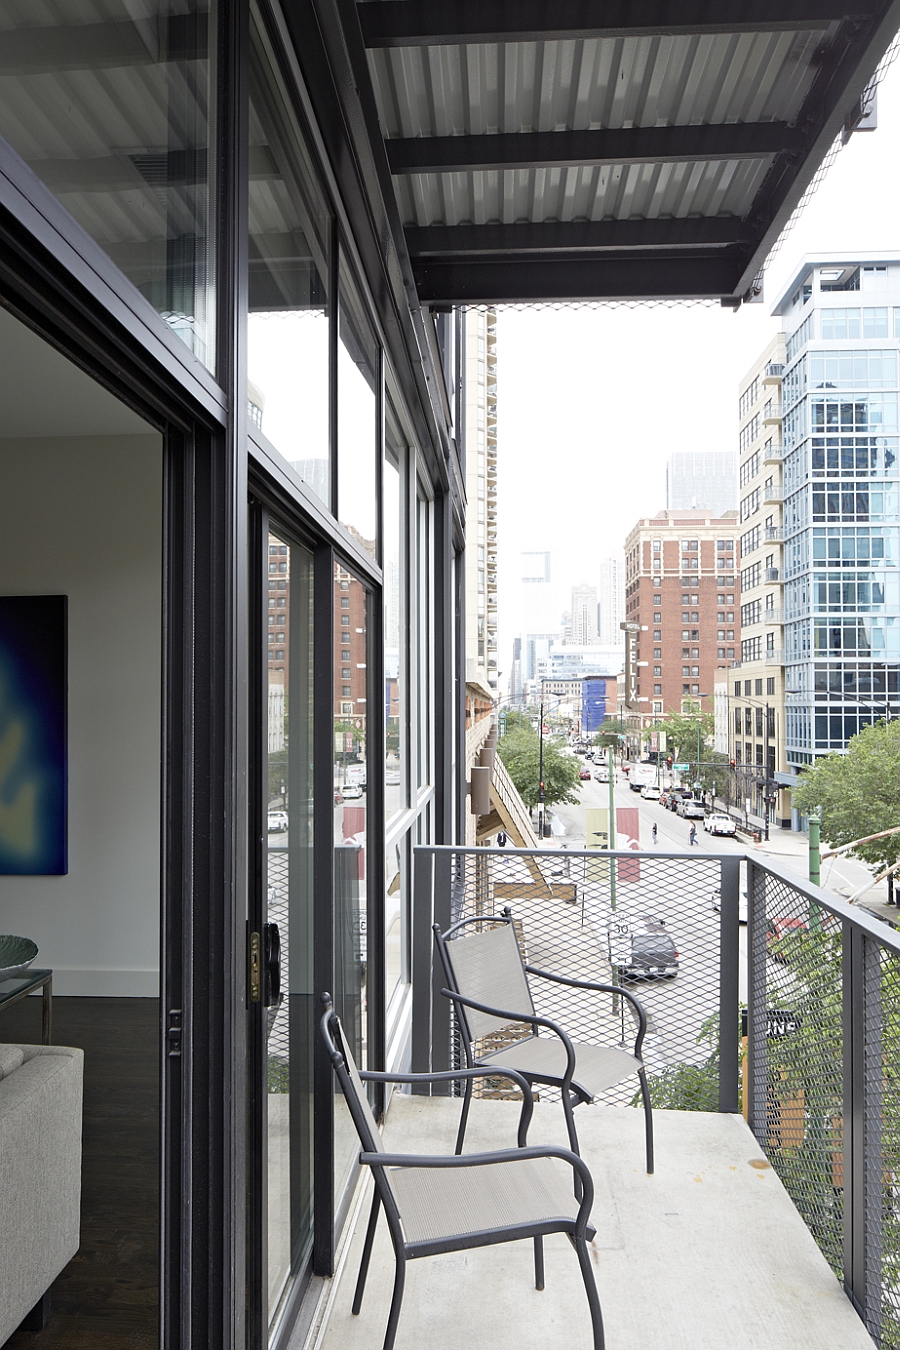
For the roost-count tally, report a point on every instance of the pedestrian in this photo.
(653, 832)
(693, 834)
(501, 839)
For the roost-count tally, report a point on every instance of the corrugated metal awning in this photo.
(630, 148)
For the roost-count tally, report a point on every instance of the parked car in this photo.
(584, 774)
(351, 790)
(690, 809)
(645, 952)
(719, 823)
(277, 822)
(650, 793)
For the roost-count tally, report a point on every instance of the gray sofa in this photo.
(40, 1173)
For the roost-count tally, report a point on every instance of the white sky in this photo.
(591, 402)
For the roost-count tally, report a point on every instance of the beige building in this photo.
(756, 738)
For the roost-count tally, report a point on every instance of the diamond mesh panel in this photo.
(882, 1155)
(655, 931)
(278, 1046)
(796, 972)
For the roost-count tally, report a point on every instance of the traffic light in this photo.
(669, 760)
(731, 764)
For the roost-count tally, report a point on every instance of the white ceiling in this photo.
(44, 394)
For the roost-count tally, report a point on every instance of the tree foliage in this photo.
(858, 793)
(609, 733)
(520, 750)
(682, 741)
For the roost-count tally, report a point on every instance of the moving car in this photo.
(719, 823)
(351, 790)
(689, 809)
(585, 773)
(650, 793)
(643, 950)
(278, 822)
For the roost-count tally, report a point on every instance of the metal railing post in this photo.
(422, 948)
(729, 958)
(442, 914)
(872, 1055)
(756, 1002)
(853, 1011)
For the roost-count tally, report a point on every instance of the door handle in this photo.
(271, 966)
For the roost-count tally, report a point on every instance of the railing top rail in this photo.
(887, 937)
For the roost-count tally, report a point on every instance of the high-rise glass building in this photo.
(702, 480)
(841, 524)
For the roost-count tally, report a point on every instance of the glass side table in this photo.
(13, 990)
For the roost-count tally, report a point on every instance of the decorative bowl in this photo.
(16, 955)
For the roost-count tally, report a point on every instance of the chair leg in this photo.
(648, 1119)
(538, 1263)
(396, 1300)
(366, 1255)
(590, 1288)
(569, 1112)
(463, 1120)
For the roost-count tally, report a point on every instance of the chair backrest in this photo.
(351, 1083)
(487, 966)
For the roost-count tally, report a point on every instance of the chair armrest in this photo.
(501, 1155)
(601, 989)
(454, 1075)
(531, 1018)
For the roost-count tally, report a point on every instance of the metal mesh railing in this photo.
(649, 923)
(824, 1057)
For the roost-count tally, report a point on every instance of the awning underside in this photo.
(579, 150)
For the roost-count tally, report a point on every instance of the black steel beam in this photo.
(576, 236)
(579, 149)
(493, 280)
(422, 23)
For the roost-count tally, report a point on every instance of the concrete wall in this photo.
(82, 516)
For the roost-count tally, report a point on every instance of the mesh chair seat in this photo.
(437, 1204)
(597, 1067)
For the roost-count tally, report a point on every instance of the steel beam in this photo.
(576, 236)
(493, 280)
(580, 149)
(421, 23)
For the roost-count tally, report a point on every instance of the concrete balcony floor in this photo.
(707, 1254)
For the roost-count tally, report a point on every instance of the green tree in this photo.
(609, 733)
(681, 728)
(520, 751)
(858, 793)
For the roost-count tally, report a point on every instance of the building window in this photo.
(685, 689)
(770, 685)
(657, 670)
(657, 689)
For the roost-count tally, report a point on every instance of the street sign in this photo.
(681, 767)
(630, 627)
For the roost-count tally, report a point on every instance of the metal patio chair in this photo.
(488, 983)
(437, 1203)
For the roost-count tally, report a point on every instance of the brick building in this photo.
(681, 587)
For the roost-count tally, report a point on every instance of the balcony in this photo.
(773, 575)
(773, 534)
(774, 372)
(771, 616)
(772, 416)
(774, 656)
(772, 454)
(773, 493)
(748, 1219)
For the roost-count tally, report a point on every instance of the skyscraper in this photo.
(540, 622)
(841, 513)
(611, 601)
(702, 480)
(583, 622)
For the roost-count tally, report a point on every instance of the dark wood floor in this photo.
(108, 1295)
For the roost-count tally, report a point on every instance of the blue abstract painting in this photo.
(33, 739)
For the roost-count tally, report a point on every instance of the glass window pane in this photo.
(357, 417)
(290, 230)
(395, 649)
(289, 904)
(113, 113)
(423, 637)
(350, 850)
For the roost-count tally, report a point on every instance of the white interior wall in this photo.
(82, 516)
